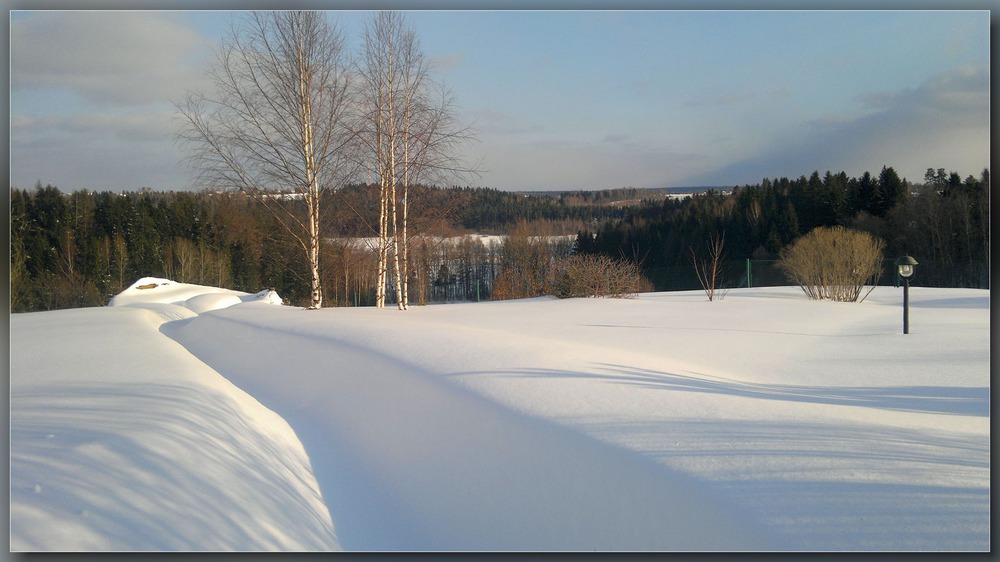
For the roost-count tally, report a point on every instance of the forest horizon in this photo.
(80, 248)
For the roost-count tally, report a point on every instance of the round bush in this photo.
(586, 275)
(834, 263)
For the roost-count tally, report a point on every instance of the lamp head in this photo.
(905, 266)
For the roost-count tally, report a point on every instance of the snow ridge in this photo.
(123, 441)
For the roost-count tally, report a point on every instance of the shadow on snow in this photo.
(951, 400)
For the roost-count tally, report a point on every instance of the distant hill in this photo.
(644, 192)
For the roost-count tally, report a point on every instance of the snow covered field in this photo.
(196, 418)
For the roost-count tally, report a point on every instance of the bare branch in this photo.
(708, 270)
(275, 126)
(405, 134)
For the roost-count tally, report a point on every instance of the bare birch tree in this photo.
(408, 135)
(275, 126)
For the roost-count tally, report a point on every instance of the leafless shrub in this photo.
(599, 276)
(708, 270)
(834, 263)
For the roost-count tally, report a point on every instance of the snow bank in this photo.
(120, 440)
(198, 298)
(805, 425)
(760, 422)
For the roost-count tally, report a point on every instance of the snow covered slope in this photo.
(760, 422)
(121, 440)
(432, 466)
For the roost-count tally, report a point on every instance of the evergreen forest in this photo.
(81, 248)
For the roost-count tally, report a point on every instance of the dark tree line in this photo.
(479, 209)
(79, 249)
(943, 223)
(494, 211)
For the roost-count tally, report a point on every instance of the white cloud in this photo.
(942, 123)
(106, 57)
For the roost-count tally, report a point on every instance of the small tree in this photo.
(525, 268)
(707, 270)
(834, 263)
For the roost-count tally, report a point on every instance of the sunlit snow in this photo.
(195, 418)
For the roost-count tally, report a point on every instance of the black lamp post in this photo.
(905, 266)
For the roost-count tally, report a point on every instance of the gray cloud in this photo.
(106, 57)
(966, 89)
(571, 165)
(75, 161)
(489, 122)
(101, 151)
(114, 76)
(448, 62)
(131, 127)
(942, 123)
(726, 100)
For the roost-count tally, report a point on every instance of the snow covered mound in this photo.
(198, 298)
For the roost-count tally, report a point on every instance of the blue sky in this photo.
(588, 99)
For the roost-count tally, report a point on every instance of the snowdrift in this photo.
(194, 418)
(441, 468)
(197, 298)
(122, 441)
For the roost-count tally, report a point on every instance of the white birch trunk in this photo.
(383, 242)
(383, 246)
(392, 176)
(404, 302)
(312, 189)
